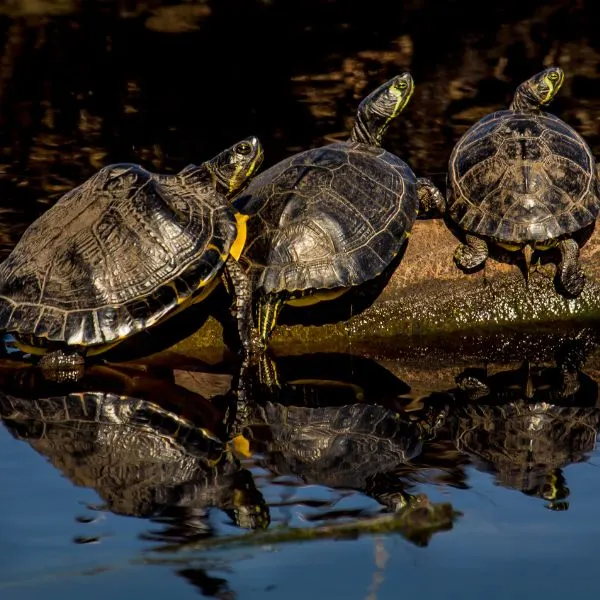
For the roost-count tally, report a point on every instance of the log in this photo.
(428, 299)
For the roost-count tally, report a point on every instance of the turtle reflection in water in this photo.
(143, 459)
(324, 433)
(523, 428)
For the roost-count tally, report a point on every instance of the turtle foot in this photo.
(569, 275)
(61, 366)
(468, 258)
(268, 373)
(431, 200)
(570, 384)
(572, 280)
(253, 347)
(472, 386)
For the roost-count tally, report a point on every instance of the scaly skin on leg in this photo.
(569, 272)
(269, 307)
(431, 200)
(238, 283)
(254, 379)
(268, 373)
(61, 366)
(472, 254)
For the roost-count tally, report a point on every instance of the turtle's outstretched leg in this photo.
(430, 198)
(239, 284)
(472, 254)
(569, 274)
(62, 366)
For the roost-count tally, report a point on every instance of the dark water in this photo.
(356, 482)
(362, 480)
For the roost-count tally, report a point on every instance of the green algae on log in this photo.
(427, 296)
(416, 524)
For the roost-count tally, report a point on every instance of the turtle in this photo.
(332, 218)
(526, 181)
(125, 250)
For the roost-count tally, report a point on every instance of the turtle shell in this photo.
(114, 256)
(330, 217)
(140, 458)
(339, 446)
(519, 177)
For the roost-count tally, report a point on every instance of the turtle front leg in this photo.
(62, 366)
(240, 285)
(569, 274)
(430, 198)
(471, 254)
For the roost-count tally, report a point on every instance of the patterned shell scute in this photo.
(332, 217)
(113, 256)
(522, 178)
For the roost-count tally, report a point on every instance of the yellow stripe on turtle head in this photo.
(553, 78)
(402, 88)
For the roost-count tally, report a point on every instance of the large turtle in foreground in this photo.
(332, 218)
(125, 250)
(525, 180)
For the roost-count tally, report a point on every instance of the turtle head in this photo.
(539, 90)
(233, 168)
(378, 109)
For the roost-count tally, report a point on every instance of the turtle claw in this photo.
(431, 200)
(253, 347)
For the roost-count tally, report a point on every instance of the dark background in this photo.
(89, 82)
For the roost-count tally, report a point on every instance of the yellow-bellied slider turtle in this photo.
(125, 250)
(525, 180)
(335, 217)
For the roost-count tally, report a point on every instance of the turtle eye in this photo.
(402, 85)
(243, 148)
(553, 76)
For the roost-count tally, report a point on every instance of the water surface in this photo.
(354, 484)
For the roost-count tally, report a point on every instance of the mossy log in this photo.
(429, 298)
